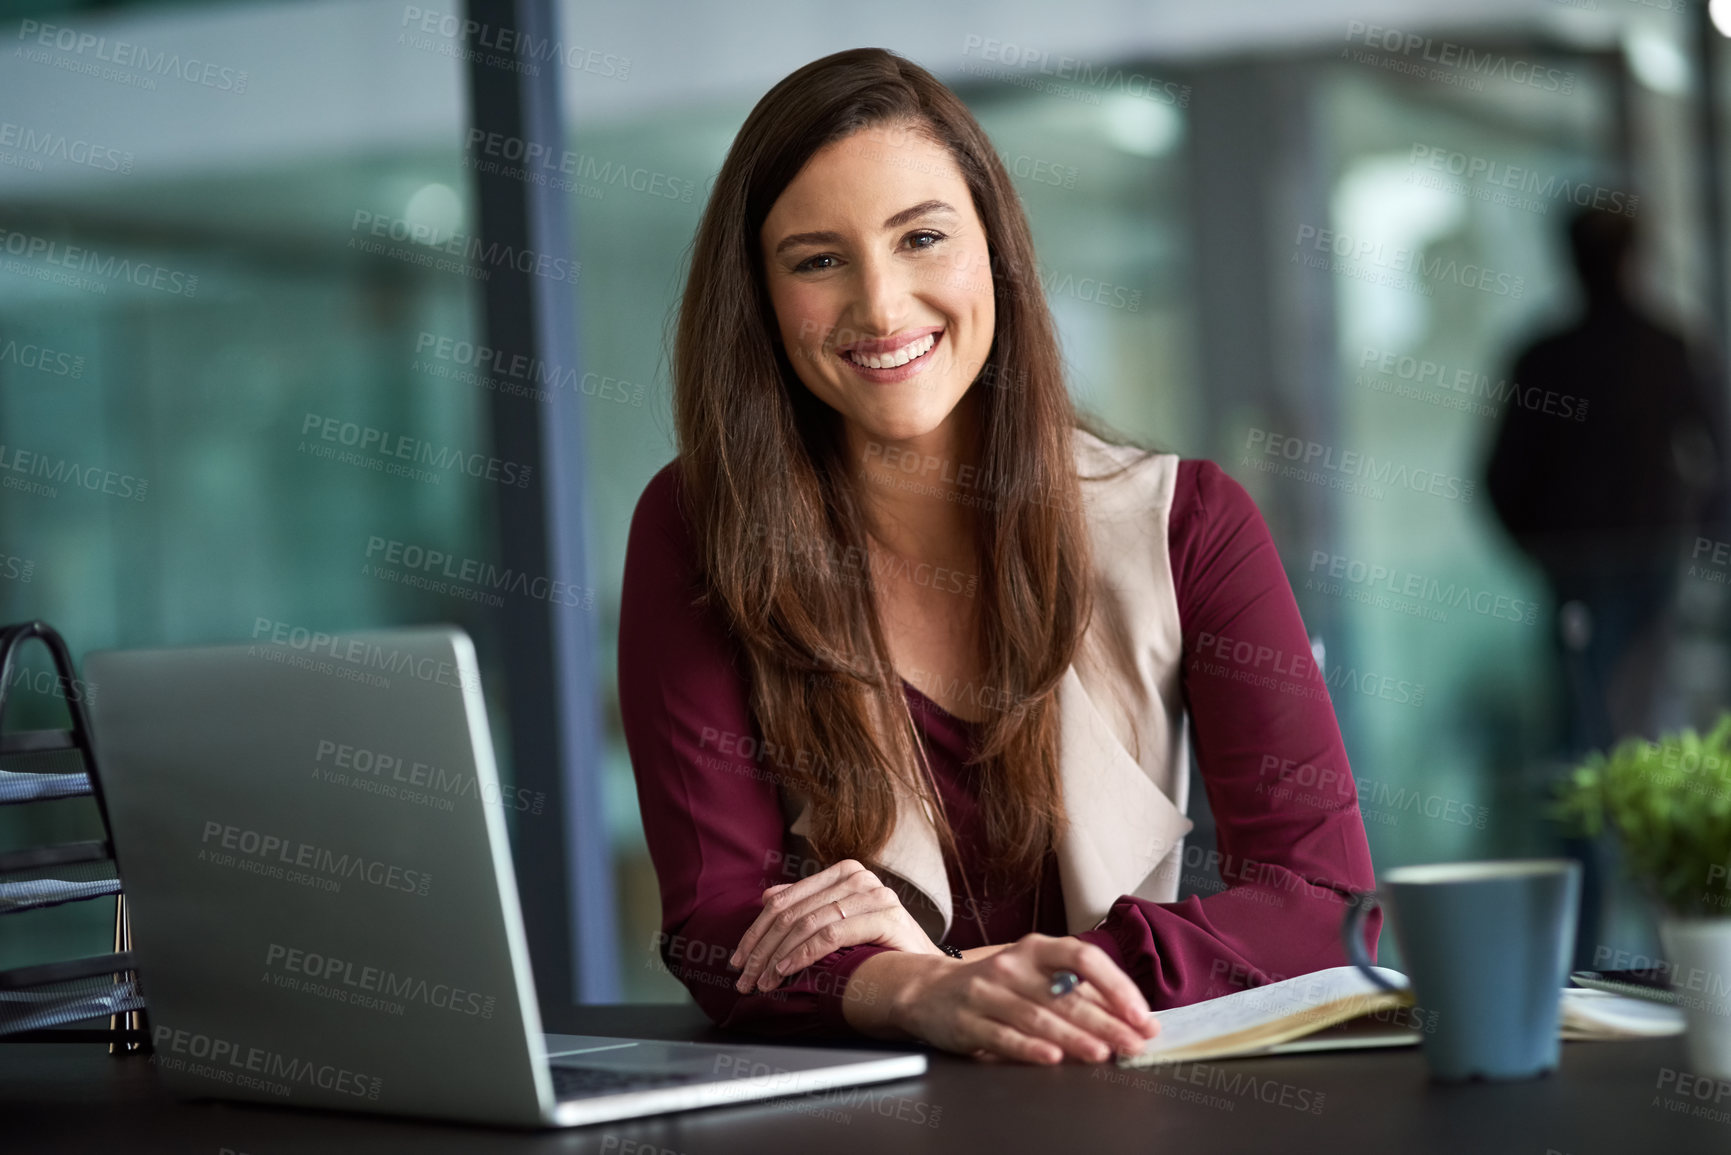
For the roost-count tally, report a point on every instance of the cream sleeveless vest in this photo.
(1125, 787)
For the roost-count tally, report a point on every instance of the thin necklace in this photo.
(949, 839)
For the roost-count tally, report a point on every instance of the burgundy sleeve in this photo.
(1262, 723)
(710, 811)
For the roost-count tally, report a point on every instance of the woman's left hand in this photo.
(842, 905)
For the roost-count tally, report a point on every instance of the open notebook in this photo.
(1340, 1008)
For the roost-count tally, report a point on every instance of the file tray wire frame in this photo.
(36, 1000)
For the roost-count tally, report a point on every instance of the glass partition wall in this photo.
(222, 316)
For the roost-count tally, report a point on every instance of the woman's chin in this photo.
(895, 433)
(882, 422)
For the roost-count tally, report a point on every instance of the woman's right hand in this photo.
(1001, 1006)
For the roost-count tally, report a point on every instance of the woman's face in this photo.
(879, 273)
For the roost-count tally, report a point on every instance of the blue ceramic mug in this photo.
(1487, 947)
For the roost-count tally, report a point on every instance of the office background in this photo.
(236, 280)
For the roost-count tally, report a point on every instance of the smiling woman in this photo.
(885, 502)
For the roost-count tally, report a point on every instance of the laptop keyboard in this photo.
(573, 1082)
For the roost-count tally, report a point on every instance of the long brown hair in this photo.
(770, 496)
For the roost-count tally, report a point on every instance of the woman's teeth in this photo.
(908, 352)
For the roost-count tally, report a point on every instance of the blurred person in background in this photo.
(1604, 471)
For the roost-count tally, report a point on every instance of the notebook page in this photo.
(1242, 1010)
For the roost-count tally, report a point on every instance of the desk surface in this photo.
(1607, 1097)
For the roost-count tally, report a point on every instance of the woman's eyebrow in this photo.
(913, 213)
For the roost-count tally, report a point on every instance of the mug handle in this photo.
(1352, 937)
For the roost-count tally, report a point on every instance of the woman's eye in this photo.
(810, 265)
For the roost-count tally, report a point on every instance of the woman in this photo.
(885, 507)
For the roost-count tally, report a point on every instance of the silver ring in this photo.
(1063, 982)
(838, 907)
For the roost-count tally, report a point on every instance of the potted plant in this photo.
(1668, 804)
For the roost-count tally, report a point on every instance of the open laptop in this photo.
(312, 838)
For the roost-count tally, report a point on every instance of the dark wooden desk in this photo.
(1607, 1097)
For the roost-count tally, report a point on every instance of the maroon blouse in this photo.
(1264, 735)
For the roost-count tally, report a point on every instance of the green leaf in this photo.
(1668, 803)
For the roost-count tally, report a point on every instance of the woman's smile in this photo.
(895, 359)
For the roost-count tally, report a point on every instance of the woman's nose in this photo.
(882, 293)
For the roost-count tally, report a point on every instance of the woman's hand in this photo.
(1002, 1006)
(843, 905)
